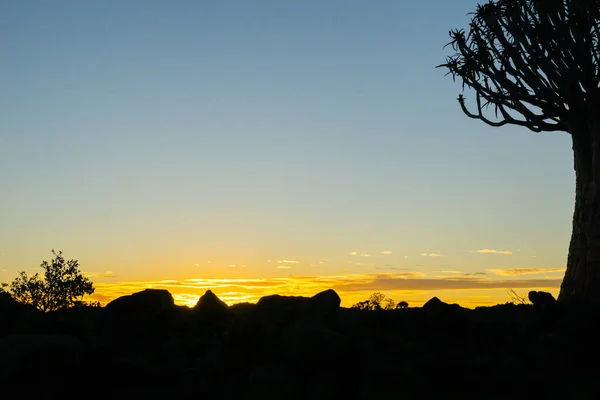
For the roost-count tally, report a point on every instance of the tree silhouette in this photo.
(62, 285)
(402, 305)
(536, 64)
(377, 301)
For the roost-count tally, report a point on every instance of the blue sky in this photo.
(176, 139)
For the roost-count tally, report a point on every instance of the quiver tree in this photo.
(535, 64)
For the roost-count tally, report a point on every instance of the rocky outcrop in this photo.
(210, 308)
(148, 299)
(140, 317)
(324, 306)
(303, 348)
(543, 302)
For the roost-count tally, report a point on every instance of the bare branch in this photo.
(538, 59)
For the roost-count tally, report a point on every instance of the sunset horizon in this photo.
(298, 146)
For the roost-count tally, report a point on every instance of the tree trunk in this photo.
(582, 277)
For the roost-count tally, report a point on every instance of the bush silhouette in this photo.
(377, 301)
(62, 285)
(402, 305)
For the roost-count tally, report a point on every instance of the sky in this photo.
(266, 147)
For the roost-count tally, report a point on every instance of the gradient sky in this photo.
(259, 140)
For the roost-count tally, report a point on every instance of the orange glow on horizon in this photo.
(416, 291)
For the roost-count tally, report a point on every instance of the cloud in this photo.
(524, 271)
(2, 270)
(196, 265)
(449, 272)
(288, 262)
(365, 255)
(353, 253)
(488, 251)
(283, 267)
(431, 255)
(105, 274)
(475, 274)
(389, 266)
(351, 287)
(386, 252)
(231, 265)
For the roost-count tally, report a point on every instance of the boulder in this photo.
(278, 311)
(542, 301)
(17, 317)
(436, 304)
(545, 305)
(209, 307)
(155, 299)
(10, 310)
(141, 316)
(444, 315)
(324, 306)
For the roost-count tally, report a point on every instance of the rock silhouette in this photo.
(292, 347)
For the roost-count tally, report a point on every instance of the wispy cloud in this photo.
(431, 255)
(283, 267)
(386, 252)
(488, 251)
(353, 253)
(391, 267)
(104, 274)
(288, 262)
(524, 271)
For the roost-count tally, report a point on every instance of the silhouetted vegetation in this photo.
(379, 301)
(61, 286)
(516, 298)
(536, 64)
(402, 305)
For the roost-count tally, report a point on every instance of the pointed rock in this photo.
(210, 303)
(433, 303)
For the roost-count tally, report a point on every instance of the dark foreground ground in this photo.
(144, 346)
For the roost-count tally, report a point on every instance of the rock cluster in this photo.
(287, 347)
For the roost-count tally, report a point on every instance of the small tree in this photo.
(377, 301)
(61, 286)
(390, 304)
(402, 305)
